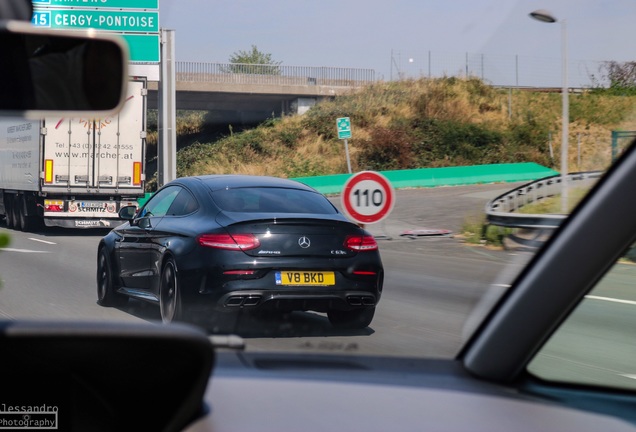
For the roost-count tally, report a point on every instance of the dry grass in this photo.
(412, 115)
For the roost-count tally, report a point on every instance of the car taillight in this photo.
(239, 272)
(364, 273)
(229, 242)
(361, 243)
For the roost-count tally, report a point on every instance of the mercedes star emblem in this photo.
(304, 242)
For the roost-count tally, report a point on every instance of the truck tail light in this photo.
(137, 173)
(48, 171)
(53, 205)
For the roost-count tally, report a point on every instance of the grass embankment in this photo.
(410, 124)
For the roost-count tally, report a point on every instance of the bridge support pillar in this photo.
(302, 105)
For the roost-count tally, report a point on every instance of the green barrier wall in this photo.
(142, 201)
(432, 177)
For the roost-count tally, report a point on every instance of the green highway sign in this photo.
(139, 28)
(117, 21)
(344, 127)
(143, 48)
(119, 4)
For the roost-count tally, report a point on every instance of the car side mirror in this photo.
(46, 72)
(128, 212)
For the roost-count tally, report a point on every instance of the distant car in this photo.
(221, 243)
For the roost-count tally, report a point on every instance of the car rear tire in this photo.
(170, 294)
(351, 319)
(106, 295)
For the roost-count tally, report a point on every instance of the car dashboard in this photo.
(290, 392)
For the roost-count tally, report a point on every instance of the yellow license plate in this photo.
(305, 278)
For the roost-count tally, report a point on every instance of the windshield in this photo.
(271, 200)
(458, 107)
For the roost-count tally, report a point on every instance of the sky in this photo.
(401, 36)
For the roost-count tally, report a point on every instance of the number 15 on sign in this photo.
(368, 197)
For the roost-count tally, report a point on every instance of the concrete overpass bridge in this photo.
(245, 94)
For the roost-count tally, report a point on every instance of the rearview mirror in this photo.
(46, 72)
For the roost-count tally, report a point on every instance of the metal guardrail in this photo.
(238, 73)
(502, 210)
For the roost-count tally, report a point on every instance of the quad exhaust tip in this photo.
(242, 300)
(361, 300)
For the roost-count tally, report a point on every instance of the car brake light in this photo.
(364, 273)
(239, 272)
(361, 243)
(229, 242)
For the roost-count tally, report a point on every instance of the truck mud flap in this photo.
(83, 223)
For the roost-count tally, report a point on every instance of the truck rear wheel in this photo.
(15, 213)
(24, 222)
(8, 208)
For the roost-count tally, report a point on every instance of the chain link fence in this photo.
(497, 70)
(237, 73)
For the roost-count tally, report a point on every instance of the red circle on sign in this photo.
(352, 186)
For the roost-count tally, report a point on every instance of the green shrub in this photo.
(475, 230)
(304, 168)
(387, 149)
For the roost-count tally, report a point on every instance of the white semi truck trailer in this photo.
(73, 172)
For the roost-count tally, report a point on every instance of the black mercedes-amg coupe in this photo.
(224, 243)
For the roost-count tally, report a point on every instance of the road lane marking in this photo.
(41, 241)
(22, 250)
(609, 299)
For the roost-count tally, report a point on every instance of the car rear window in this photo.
(272, 200)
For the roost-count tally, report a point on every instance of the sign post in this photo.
(344, 132)
(367, 197)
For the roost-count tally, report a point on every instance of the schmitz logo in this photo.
(88, 223)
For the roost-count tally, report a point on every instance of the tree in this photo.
(253, 62)
(621, 76)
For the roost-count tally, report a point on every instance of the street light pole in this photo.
(565, 108)
(545, 16)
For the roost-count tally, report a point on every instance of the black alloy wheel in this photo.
(106, 295)
(169, 294)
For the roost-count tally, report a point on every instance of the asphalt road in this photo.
(431, 284)
(437, 289)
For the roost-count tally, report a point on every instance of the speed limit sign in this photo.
(367, 197)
